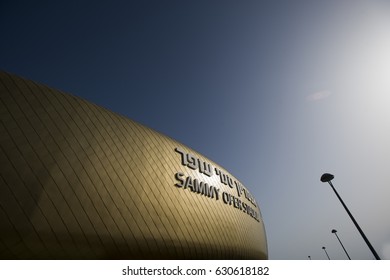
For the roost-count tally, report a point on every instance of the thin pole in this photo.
(356, 224)
(342, 245)
(326, 252)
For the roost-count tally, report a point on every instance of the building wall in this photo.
(80, 182)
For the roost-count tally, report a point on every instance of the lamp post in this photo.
(323, 248)
(335, 233)
(326, 177)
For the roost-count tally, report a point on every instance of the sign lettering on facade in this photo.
(197, 186)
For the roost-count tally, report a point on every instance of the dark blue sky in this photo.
(172, 65)
(277, 92)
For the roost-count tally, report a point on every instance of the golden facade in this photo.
(80, 182)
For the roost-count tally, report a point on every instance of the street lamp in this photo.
(335, 232)
(326, 177)
(323, 248)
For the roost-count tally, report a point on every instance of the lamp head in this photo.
(326, 177)
(334, 231)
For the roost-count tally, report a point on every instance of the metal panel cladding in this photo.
(80, 182)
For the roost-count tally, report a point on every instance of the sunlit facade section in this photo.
(80, 182)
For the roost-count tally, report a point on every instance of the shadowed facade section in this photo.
(80, 182)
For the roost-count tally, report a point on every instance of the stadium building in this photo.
(80, 182)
